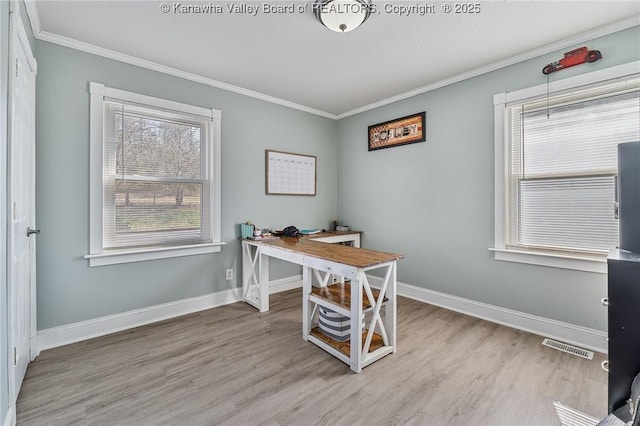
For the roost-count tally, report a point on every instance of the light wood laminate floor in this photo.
(234, 366)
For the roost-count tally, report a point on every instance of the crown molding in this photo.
(154, 66)
(32, 13)
(549, 48)
(34, 17)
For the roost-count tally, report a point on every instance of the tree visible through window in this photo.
(159, 180)
(164, 150)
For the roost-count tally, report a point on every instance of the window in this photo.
(155, 178)
(558, 166)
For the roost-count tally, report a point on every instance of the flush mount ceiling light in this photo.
(342, 16)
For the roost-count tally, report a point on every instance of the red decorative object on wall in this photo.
(575, 57)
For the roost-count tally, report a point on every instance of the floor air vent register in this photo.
(582, 353)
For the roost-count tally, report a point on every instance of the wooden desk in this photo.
(352, 237)
(255, 271)
(320, 261)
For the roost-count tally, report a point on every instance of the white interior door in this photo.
(21, 204)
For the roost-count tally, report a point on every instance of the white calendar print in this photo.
(292, 174)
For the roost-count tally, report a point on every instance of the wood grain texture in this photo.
(234, 366)
(340, 294)
(345, 347)
(331, 233)
(338, 253)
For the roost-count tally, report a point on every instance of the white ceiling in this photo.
(292, 57)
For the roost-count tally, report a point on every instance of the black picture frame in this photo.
(398, 132)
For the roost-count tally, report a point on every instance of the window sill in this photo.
(128, 256)
(553, 260)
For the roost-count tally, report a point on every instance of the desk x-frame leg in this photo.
(360, 341)
(255, 277)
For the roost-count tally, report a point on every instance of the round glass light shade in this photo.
(342, 15)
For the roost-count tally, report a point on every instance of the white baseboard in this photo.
(587, 338)
(76, 332)
(10, 418)
(581, 336)
(284, 284)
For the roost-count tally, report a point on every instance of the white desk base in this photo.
(255, 269)
(256, 293)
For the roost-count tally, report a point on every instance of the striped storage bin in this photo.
(335, 325)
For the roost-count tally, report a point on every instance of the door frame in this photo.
(18, 33)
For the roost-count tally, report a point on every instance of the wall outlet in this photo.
(229, 274)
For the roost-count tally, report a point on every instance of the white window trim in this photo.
(500, 100)
(97, 256)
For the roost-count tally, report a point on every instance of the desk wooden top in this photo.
(330, 234)
(338, 253)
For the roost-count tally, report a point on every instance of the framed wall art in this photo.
(400, 131)
(289, 174)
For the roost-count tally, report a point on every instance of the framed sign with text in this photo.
(400, 131)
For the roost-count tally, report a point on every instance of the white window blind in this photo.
(154, 178)
(561, 163)
(155, 181)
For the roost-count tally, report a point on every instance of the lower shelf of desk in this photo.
(345, 347)
(337, 298)
(340, 294)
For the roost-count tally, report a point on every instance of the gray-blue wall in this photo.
(431, 201)
(434, 201)
(68, 290)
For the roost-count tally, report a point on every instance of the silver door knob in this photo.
(32, 231)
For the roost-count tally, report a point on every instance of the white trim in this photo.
(549, 48)
(116, 257)
(500, 101)
(500, 173)
(18, 39)
(32, 12)
(10, 418)
(96, 169)
(553, 260)
(284, 284)
(98, 92)
(154, 66)
(24, 41)
(124, 95)
(618, 71)
(215, 158)
(587, 338)
(34, 16)
(84, 330)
